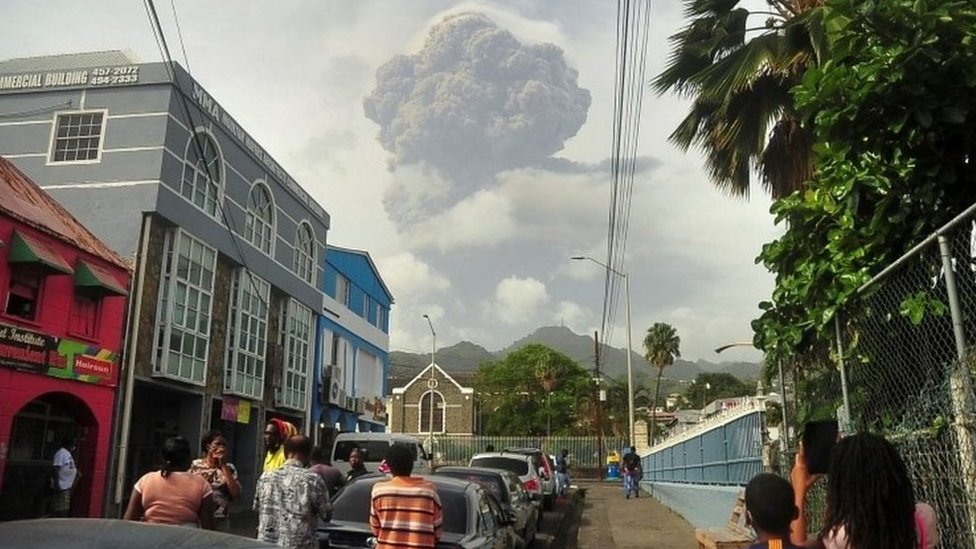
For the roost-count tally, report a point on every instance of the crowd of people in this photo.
(870, 502)
(291, 495)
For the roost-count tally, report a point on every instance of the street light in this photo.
(782, 387)
(630, 369)
(431, 385)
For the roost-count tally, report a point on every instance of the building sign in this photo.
(211, 107)
(83, 362)
(24, 349)
(61, 358)
(100, 76)
(375, 409)
(234, 409)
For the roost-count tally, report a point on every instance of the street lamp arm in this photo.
(600, 263)
(730, 345)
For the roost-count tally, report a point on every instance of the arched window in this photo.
(202, 173)
(259, 227)
(439, 410)
(305, 253)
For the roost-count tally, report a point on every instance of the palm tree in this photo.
(661, 346)
(742, 114)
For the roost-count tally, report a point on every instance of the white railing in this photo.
(743, 407)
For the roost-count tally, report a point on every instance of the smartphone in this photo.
(819, 438)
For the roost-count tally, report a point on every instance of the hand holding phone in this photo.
(819, 438)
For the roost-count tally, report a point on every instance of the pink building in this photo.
(62, 312)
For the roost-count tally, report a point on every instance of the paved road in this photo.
(610, 520)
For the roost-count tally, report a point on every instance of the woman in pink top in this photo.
(870, 500)
(173, 495)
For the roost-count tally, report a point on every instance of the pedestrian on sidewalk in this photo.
(405, 511)
(214, 467)
(275, 434)
(632, 472)
(562, 472)
(65, 478)
(769, 511)
(323, 467)
(357, 467)
(173, 495)
(291, 499)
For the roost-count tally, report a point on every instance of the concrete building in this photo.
(228, 248)
(453, 405)
(63, 308)
(354, 335)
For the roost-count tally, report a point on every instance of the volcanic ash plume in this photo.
(472, 102)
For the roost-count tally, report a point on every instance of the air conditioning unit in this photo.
(360, 405)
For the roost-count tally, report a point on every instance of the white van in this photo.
(375, 445)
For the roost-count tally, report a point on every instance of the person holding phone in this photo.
(220, 473)
(870, 500)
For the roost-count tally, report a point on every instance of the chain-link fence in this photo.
(900, 365)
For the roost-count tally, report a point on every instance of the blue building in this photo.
(226, 247)
(354, 346)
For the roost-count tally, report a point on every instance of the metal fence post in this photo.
(962, 390)
(843, 373)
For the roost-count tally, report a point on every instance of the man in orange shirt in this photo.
(405, 511)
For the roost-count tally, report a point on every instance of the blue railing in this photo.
(726, 451)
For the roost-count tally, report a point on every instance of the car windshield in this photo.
(352, 505)
(492, 483)
(376, 450)
(518, 466)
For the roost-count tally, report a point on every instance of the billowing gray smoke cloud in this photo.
(472, 102)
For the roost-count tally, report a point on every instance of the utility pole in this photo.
(599, 406)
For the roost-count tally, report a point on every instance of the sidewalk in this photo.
(610, 520)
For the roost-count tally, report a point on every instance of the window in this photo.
(381, 317)
(259, 227)
(247, 332)
(342, 289)
(77, 136)
(24, 293)
(202, 173)
(367, 306)
(298, 343)
(183, 318)
(84, 316)
(305, 253)
(425, 401)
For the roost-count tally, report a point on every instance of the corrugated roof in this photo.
(67, 61)
(22, 199)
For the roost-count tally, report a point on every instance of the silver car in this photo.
(520, 464)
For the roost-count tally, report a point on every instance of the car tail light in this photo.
(532, 485)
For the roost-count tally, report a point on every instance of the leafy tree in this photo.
(661, 346)
(895, 131)
(710, 386)
(513, 392)
(738, 76)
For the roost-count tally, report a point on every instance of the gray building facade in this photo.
(228, 249)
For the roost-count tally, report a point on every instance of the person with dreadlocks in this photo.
(276, 432)
(870, 500)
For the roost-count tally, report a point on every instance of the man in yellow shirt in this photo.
(276, 432)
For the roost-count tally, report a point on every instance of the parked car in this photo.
(508, 490)
(375, 445)
(520, 464)
(94, 533)
(473, 519)
(546, 466)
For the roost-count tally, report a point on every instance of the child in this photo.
(769, 511)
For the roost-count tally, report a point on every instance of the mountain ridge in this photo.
(464, 358)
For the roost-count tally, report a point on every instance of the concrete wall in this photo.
(703, 506)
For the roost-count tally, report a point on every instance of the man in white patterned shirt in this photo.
(291, 499)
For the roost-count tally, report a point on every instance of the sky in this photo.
(466, 147)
